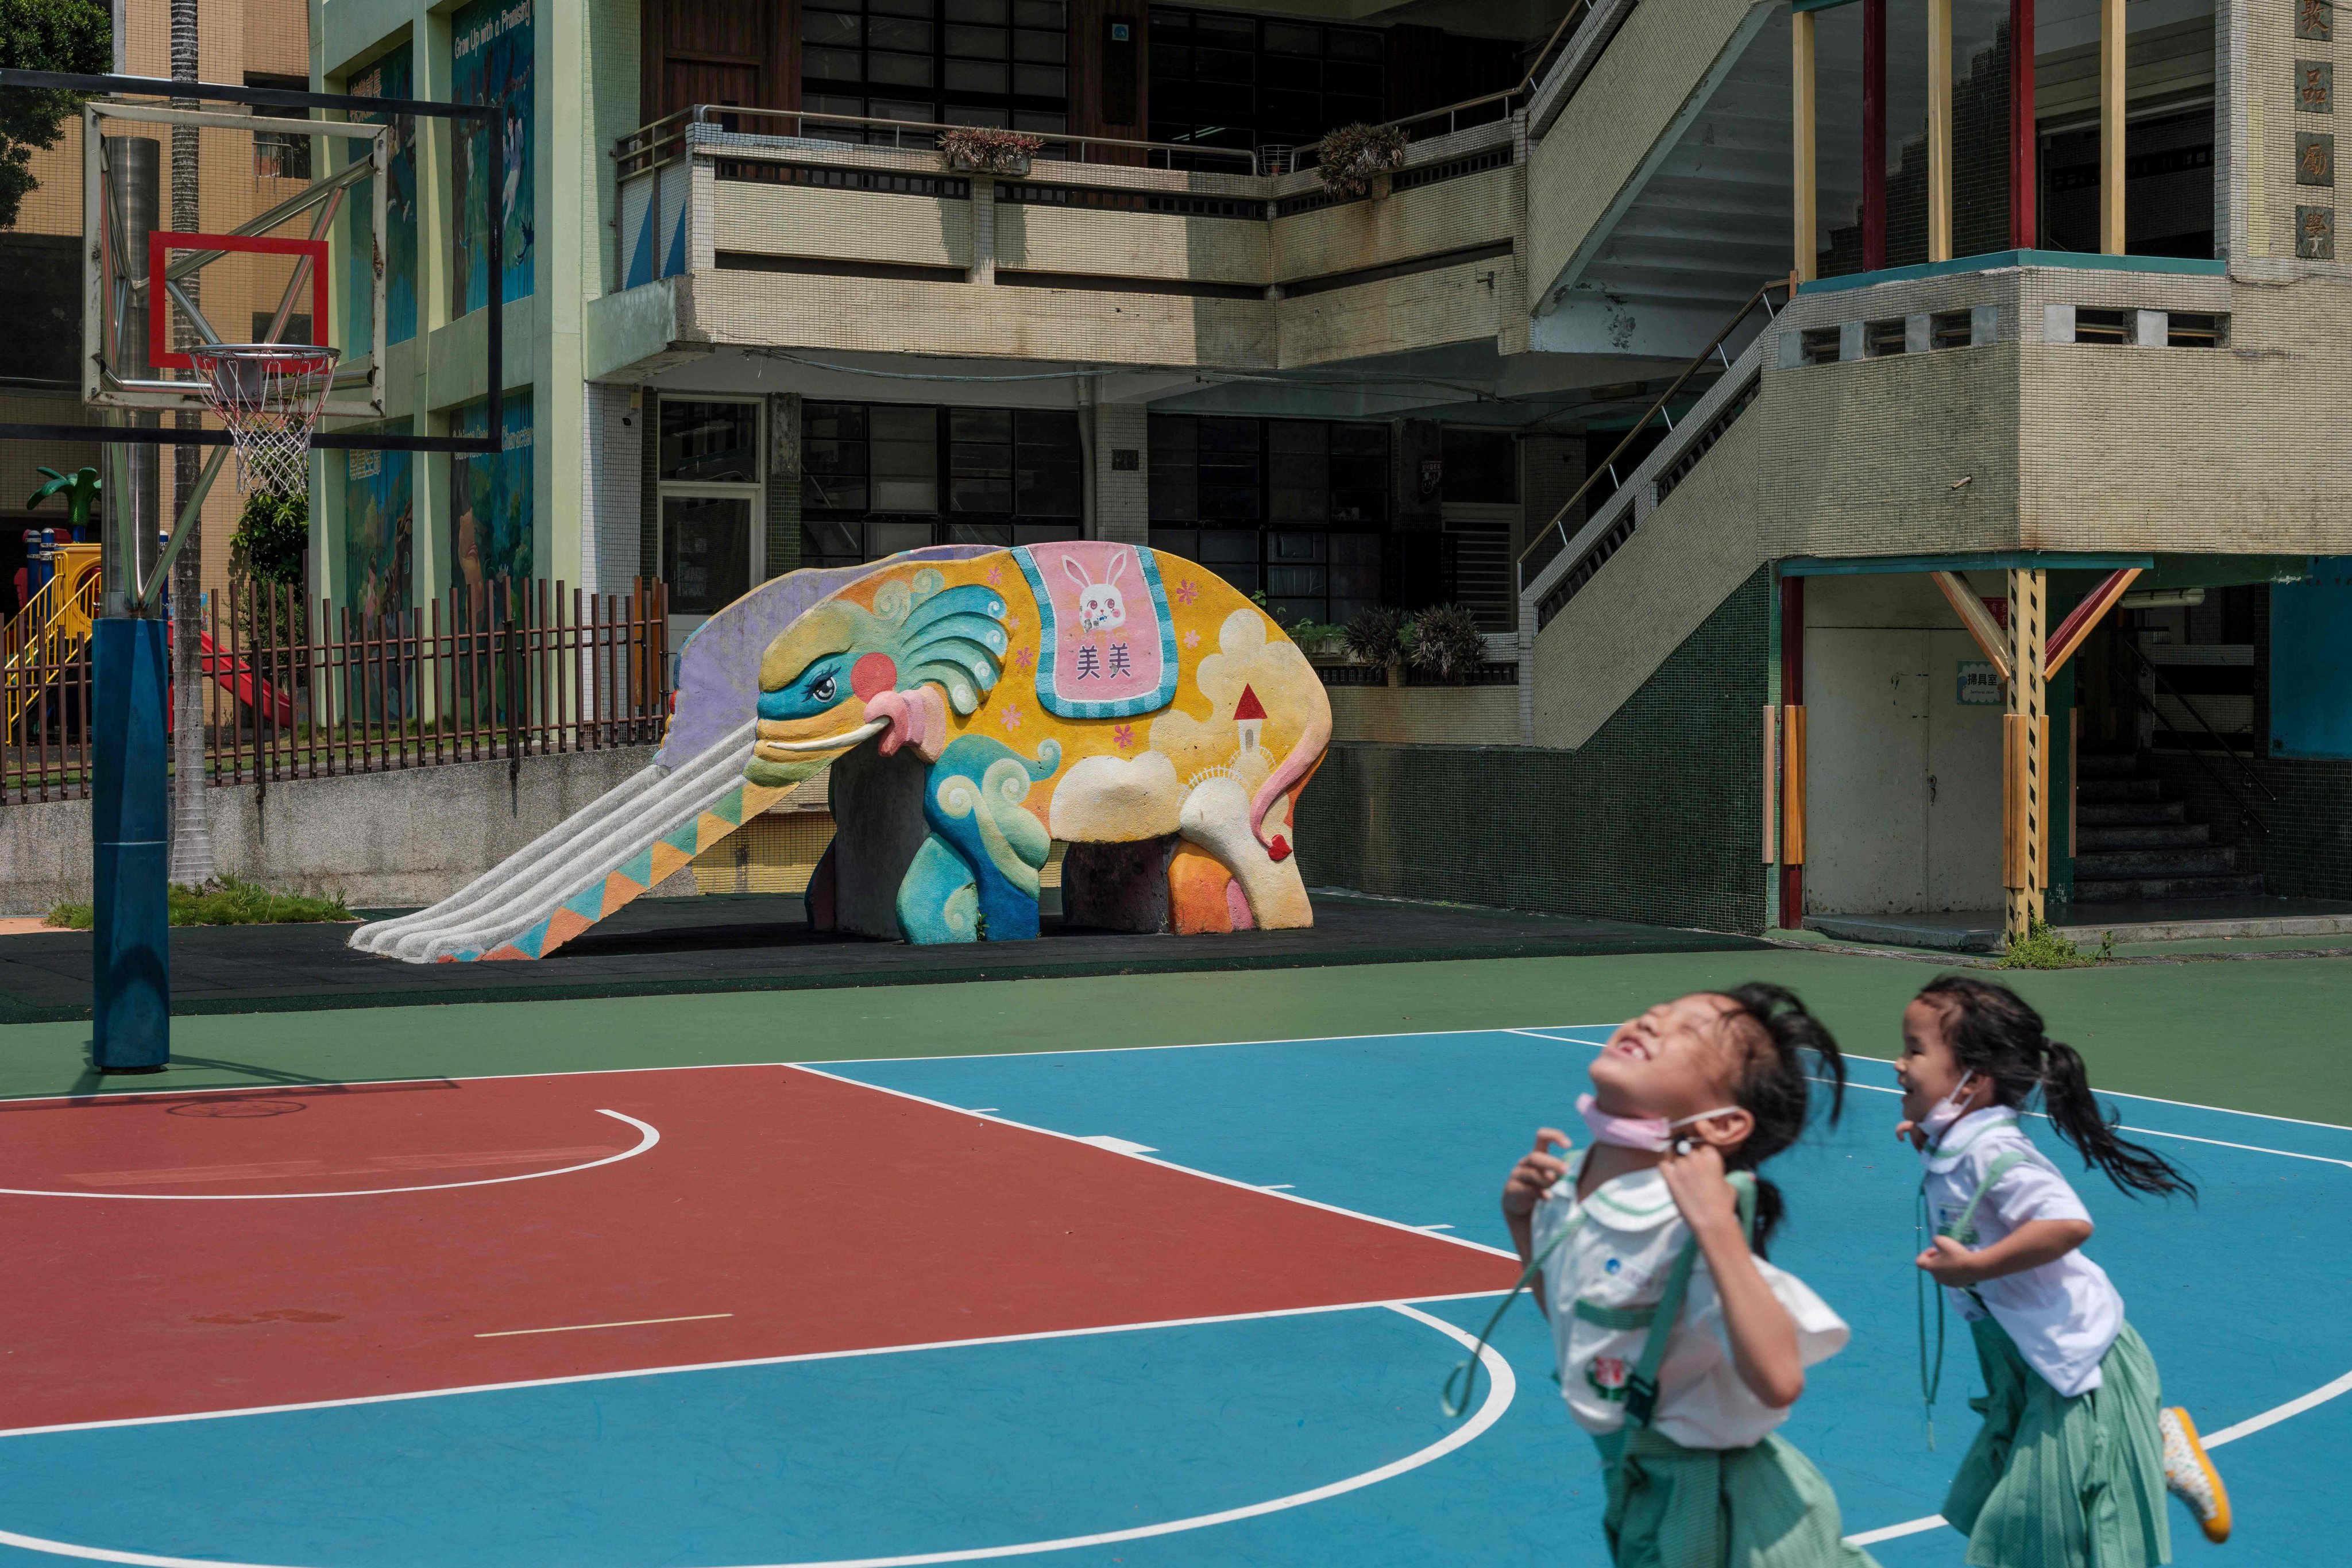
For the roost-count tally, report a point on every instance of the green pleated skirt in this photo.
(1761, 1507)
(2053, 1483)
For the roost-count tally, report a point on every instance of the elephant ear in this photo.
(955, 637)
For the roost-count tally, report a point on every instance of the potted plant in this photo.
(1447, 644)
(982, 150)
(1377, 637)
(1357, 160)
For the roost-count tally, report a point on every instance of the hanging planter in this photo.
(1357, 160)
(979, 150)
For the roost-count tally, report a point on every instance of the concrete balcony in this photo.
(743, 240)
(2057, 401)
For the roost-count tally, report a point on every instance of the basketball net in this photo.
(269, 394)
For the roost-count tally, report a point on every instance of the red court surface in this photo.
(816, 1216)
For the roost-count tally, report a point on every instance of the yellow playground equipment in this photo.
(37, 645)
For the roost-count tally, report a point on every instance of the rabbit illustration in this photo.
(1100, 606)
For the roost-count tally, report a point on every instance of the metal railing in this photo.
(1498, 104)
(1555, 537)
(2245, 769)
(300, 690)
(651, 146)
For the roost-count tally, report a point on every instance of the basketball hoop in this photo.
(269, 394)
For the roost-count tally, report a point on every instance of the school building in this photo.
(1895, 453)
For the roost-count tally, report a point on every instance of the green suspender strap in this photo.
(1931, 1369)
(1669, 1307)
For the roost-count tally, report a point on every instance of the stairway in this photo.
(2135, 840)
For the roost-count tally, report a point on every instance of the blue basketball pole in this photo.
(129, 816)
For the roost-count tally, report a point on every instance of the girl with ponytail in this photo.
(1680, 1348)
(2076, 1452)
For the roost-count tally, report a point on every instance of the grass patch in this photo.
(2045, 948)
(225, 902)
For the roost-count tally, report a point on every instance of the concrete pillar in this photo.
(783, 520)
(1122, 474)
(612, 426)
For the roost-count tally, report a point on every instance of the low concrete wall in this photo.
(380, 839)
(1426, 715)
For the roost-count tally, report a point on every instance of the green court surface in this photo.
(2265, 1037)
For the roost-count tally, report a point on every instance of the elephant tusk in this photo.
(829, 742)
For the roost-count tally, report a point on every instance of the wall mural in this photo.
(1097, 693)
(490, 59)
(379, 516)
(390, 76)
(490, 518)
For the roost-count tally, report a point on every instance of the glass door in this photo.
(712, 501)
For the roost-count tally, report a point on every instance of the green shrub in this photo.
(1446, 643)
(2045, 948)
(227, 901)
(1376, 635)
(1346, 159)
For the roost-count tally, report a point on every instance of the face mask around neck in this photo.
(1946, 1110)
(1654, 1134)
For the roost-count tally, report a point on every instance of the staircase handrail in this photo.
(1559, 523)
(35, 641)
(1509, 97)
(2245, 769)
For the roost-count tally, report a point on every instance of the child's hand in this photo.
(1951, 1264)
(1696, 1182)
(1910, 1130)
(1535, 1174)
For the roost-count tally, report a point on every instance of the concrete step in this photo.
(2105, 790)
(2144, 836)
(2132, 814)
(2106, 864)
(2107, 765)
(2107, 890)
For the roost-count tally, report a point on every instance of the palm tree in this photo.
(79, 488)
(191, 838)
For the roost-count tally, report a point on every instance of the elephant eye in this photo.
(824, 689)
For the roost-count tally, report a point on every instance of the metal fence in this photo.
(301, 690)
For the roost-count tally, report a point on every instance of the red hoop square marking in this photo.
(160, 243)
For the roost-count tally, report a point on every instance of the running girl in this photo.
(2075, 1455)
(1680, 1348)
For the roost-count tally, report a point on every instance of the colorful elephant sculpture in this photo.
(1097, 693)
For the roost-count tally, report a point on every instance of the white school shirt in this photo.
(2064, 1315)
(1630, 1235)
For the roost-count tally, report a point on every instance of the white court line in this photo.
(624, 1323)
(1502, 1386)
(2245, 1428)
(979, 1342)
(2159, 1132)
(1127, 1153)
(647, 1136)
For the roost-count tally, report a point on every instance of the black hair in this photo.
(1995, 1034)
(1775, 1087)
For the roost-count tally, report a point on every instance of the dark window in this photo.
(1223, 81)
(1482, 466)
(711, 443)
(1296, 510)
(296, 330)
(280, 155)
(1003, 63)
(705, 552)
(871, 479)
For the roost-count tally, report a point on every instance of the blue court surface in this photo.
(1304, 1437)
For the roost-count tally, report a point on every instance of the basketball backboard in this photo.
(150, 293)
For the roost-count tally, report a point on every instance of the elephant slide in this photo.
(975, 705)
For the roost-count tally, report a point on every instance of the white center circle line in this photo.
(647, 1136)
(1501, 1387)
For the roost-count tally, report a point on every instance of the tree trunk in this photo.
(191, 838)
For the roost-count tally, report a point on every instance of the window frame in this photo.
(754, 490)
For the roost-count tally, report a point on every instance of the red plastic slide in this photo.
(237, 679)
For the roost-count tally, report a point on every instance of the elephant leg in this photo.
(938, 901)
(1217, 817)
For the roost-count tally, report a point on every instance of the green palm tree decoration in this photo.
(79, 488)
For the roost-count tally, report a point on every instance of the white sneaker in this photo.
(2189, 1472)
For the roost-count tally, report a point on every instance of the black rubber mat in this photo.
(750, 942)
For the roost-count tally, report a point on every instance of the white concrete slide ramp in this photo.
(619, 847)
